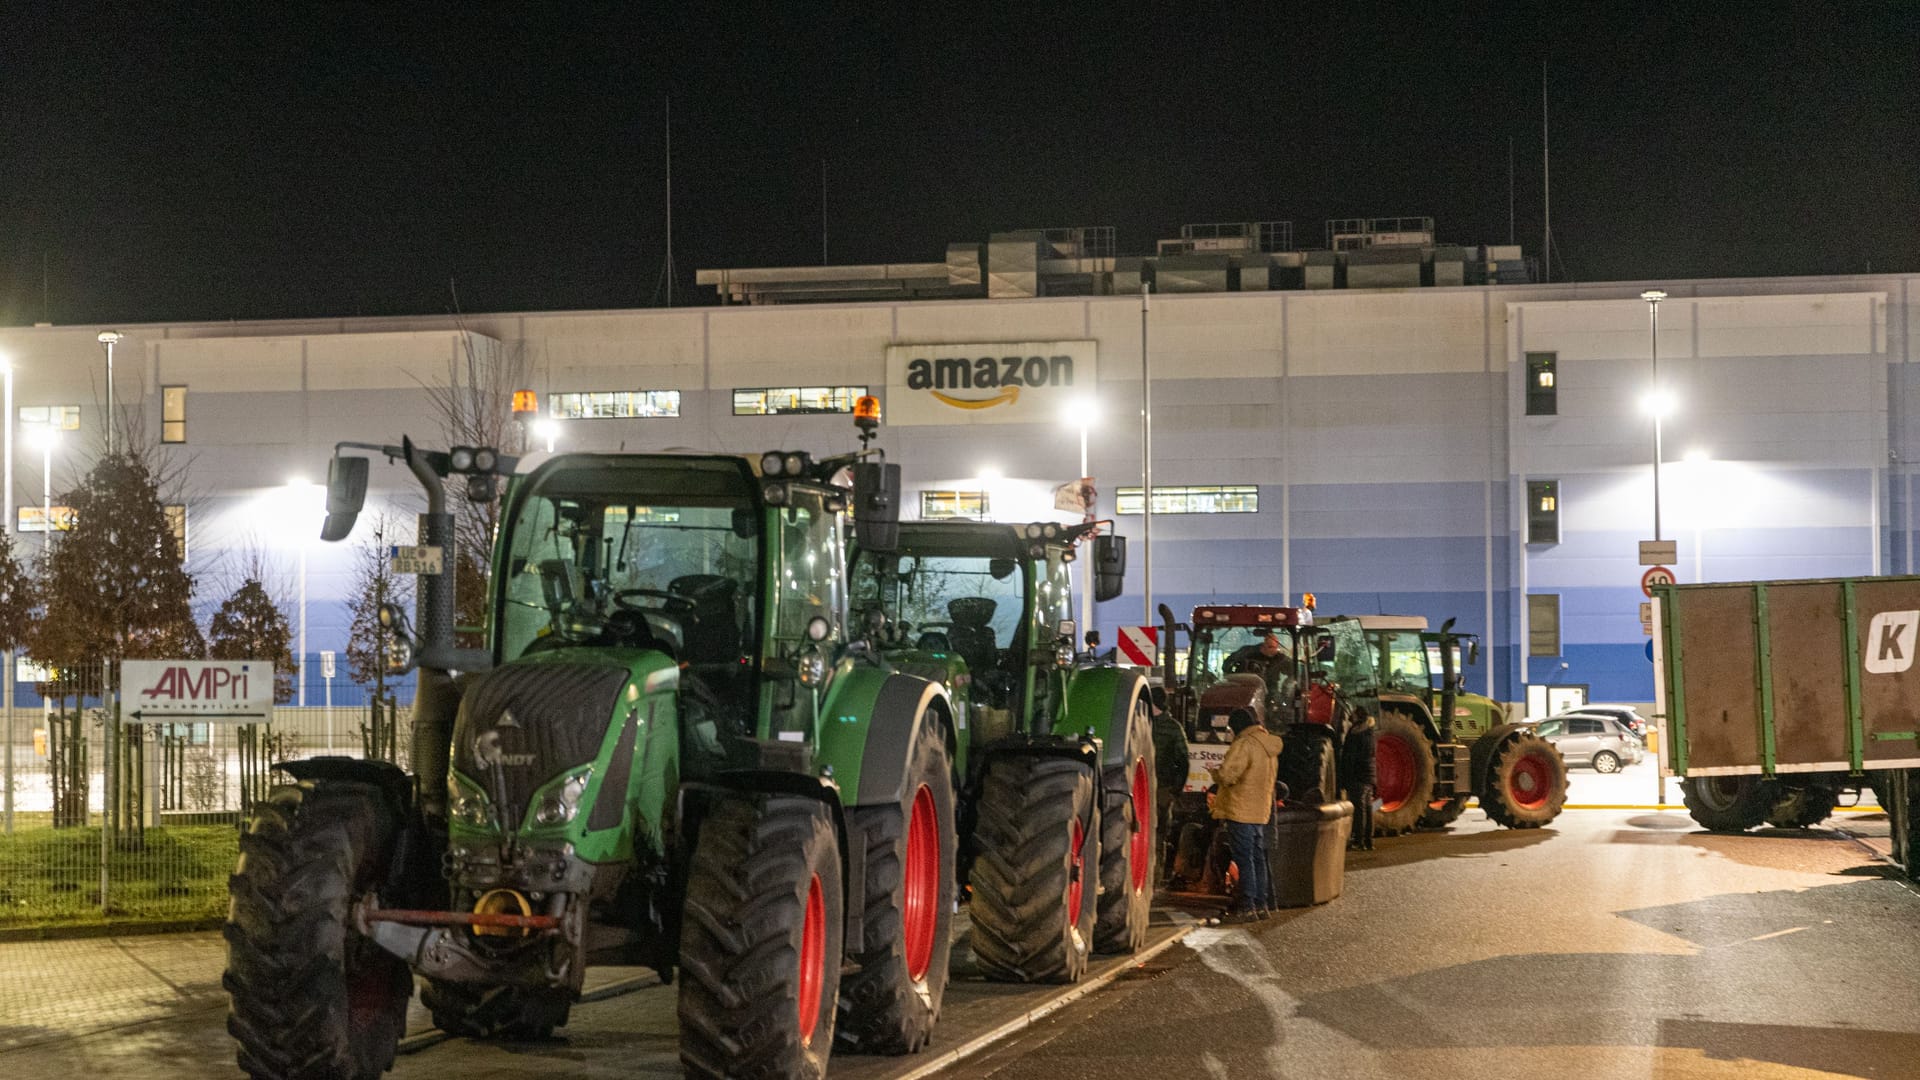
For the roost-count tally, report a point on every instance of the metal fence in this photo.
(103, 821)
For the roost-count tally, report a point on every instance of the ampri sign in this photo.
(1008, 382)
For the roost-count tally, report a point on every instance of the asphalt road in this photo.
(1614, 944)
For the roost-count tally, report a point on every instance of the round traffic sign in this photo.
(1656, 575)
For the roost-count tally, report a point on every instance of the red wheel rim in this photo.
(813, 960)
(921, 900)
(1076, 867)
(1142, 848)
(1528, 783)
(1393, 759)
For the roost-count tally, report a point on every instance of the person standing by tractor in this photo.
(1170, 768)
(1360, 771)
(1245, 804)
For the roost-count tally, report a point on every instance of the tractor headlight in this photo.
(467, 804)
(771, 463)
(796, 464)
(812, 667)
(560, 803)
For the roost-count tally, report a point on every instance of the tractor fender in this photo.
(1100, 701)
(868, 725)
(1484, 747)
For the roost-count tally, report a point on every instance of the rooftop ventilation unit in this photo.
(1358, 234)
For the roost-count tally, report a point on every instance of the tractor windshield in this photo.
(1230, 650)
(1354, 666)
(972, 606)
(1406, 662)
(635, 552)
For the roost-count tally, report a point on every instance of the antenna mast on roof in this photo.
(1546, 185)
(666, 265)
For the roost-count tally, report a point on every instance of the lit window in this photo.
(173, 414)
(1543, 511)
(1542, 394)
(614, 404)
(779, 400)
(1193, 499)
(955, 504)
(31, 519)
(177, 521)
(63, 417)
(1543, 624)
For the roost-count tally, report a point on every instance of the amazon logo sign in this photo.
(989, 383)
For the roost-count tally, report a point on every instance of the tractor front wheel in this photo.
(513, 1013)
(1728, 803)
(1127, 843)
(1403, 763)
(311, 998)
(760, 944)
(1035, 875)
(889, 1006)
(1526, 784)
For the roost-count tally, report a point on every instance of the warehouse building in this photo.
(1472, 450)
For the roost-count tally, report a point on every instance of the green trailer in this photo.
(1780, 697)
(672, 750)
(1056, 758)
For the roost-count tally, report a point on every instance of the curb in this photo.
(10, 936)
(1019, 1023)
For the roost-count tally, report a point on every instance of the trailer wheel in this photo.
(1127, 842)
(1035, 879)
(1403, 762)
(760, 944)
(311, 998)
(1802, 807)
(1443, 812)
(513, 1013)
(1728, 803)
(1307, 763)
(1526, 784)
(890, 1005)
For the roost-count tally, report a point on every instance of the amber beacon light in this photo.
(526, 404)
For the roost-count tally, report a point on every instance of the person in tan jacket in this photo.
(1245, 804)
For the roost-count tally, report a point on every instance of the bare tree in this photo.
(375, 583)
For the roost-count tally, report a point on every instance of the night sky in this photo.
(272, 160)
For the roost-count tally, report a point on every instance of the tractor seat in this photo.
(972, 634)
(711, 634)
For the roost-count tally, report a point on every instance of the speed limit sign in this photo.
(1656, 575)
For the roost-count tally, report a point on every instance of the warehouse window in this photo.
(63, 417)
(33, 519)
(177, 521)
(1541, 391)
(173, 414)
(955, 504)
(1193, 499)
(1543, 624)
(779, 400)
(1543, 511)
(614, 404)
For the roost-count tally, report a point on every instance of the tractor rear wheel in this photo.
(1035, 878)
(1801, 807)
(1307, 763)
(1526, 784)
(311, 998)
(513, 1013)
(1403, 762)
(760, 945)
(889, 1006)
(1443, 812)
(1728, 803)
(1127, 843)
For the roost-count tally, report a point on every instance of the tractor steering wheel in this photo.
(671, 603)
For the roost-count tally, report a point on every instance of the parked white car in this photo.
(1592, 739)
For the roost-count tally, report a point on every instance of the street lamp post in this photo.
(1146, 464)
(6, 679)
(1653, 298)
(300, 489)
(109, 338)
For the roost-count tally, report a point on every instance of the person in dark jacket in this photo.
(1359, 770)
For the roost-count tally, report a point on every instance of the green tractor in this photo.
(670, 751)
(1056, 759)
(1430, 731)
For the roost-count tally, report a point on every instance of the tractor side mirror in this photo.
(876, 506)
(346, 494)
(1109, 566)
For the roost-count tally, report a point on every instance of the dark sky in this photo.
(271, 160)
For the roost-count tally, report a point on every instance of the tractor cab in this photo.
(1250, 658)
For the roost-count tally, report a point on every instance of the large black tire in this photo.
(1128, 846)
(311, 998)
(1802, 807)
(759, 937)
(513, 1013)
(1404, 762)
(1443, 812)
(1728, 803)
(1526, 784)
(890, 1005)
(1307, 762)
(1037, 845)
